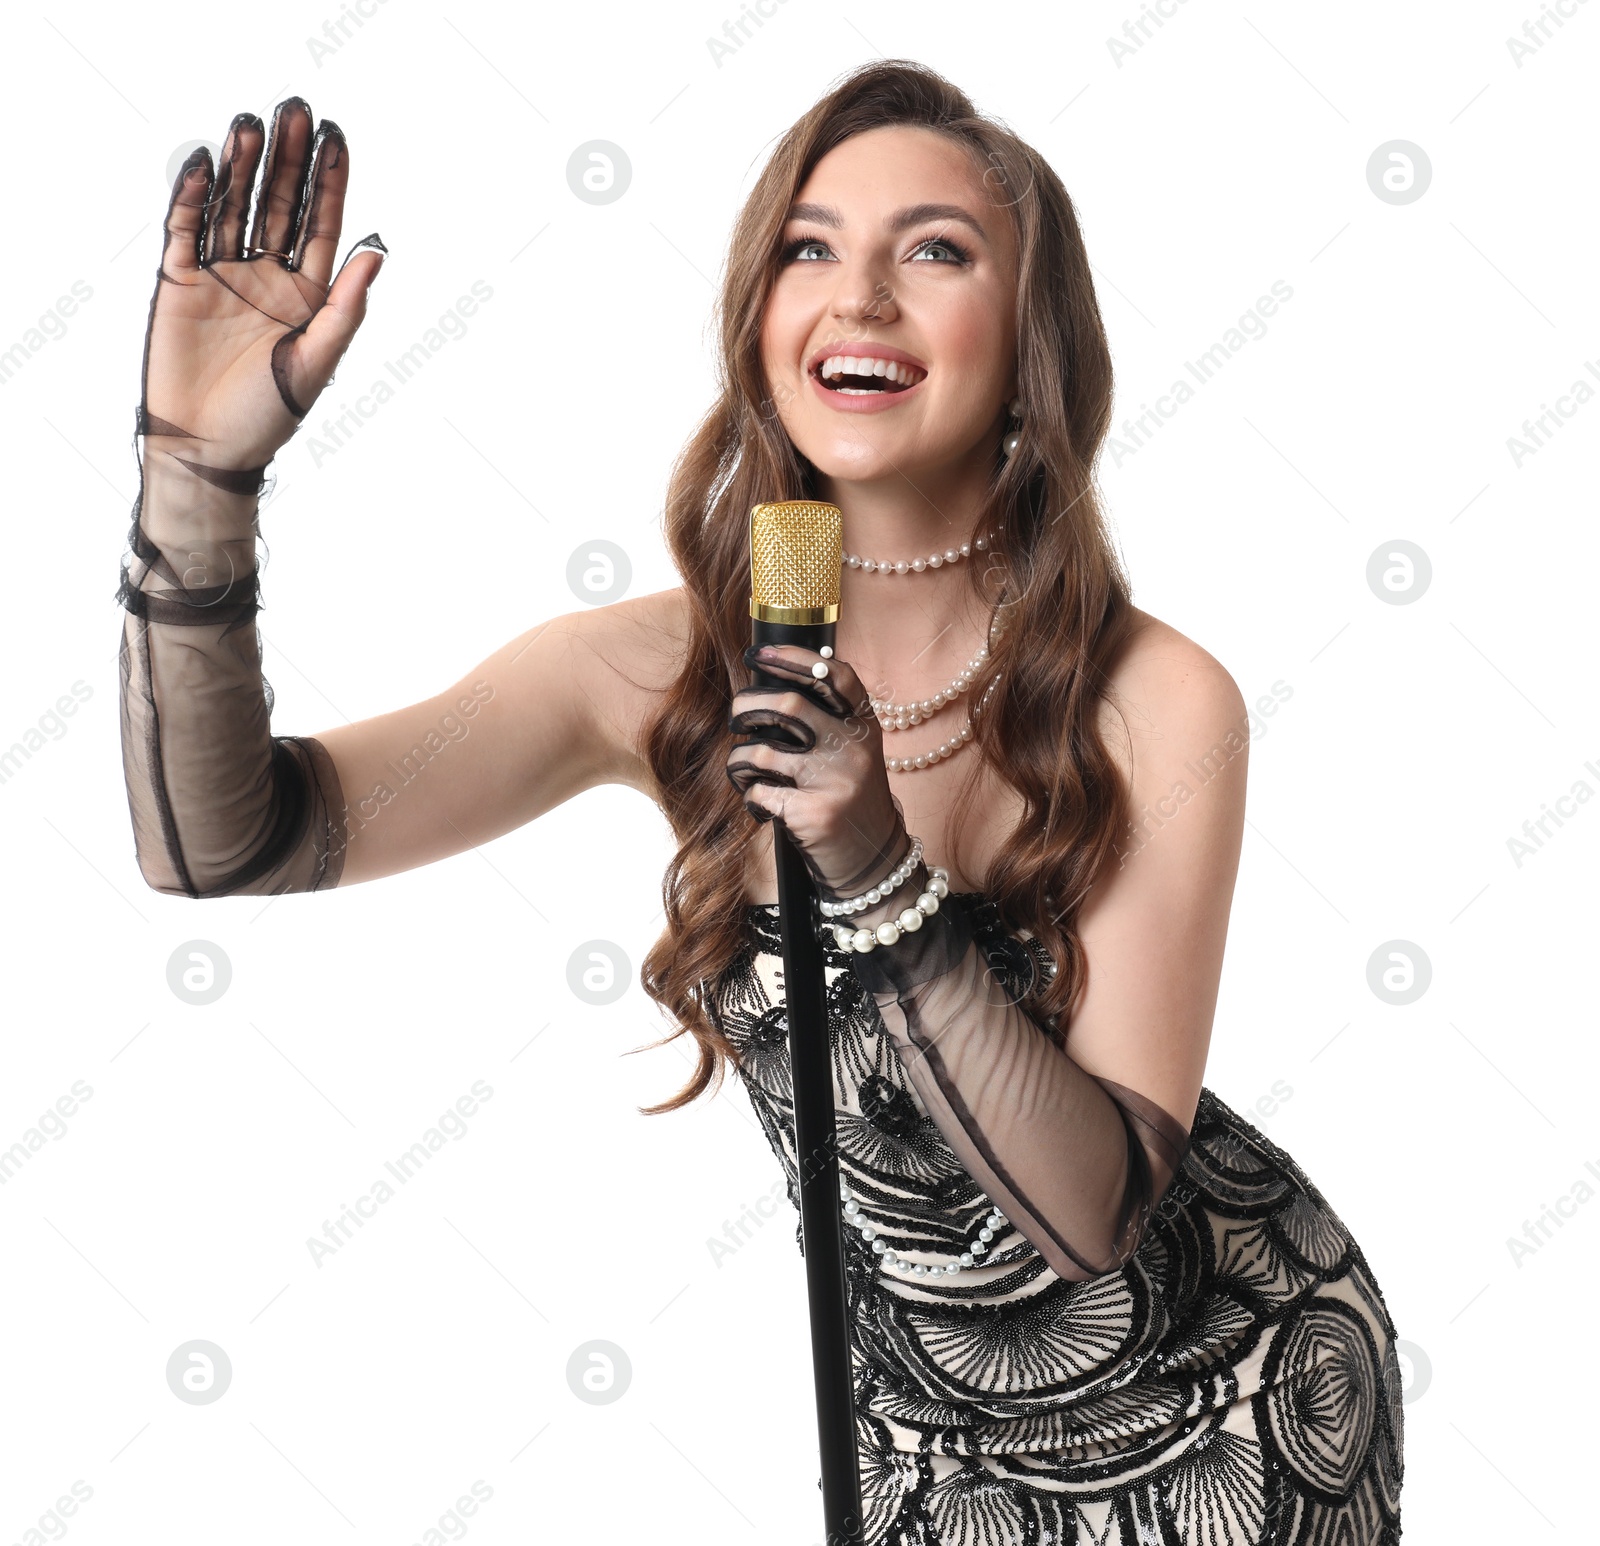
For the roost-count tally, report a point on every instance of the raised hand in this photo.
(246, 327)
(811, 753)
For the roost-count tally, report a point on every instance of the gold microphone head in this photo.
(796, 552)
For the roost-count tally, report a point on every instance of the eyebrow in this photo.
(912, 214)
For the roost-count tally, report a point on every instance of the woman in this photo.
(1089, 1301)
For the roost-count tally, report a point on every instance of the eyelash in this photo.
(793, 249)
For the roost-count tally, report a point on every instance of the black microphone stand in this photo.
(817, 1155)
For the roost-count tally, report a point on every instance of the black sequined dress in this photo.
(1234, 1383)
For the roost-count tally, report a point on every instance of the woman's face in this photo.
(894, 252)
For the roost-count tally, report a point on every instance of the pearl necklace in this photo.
(853, 1216)
(897, 716)
(949, 748)
(934, 560)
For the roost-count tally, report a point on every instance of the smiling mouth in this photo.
(854, 376)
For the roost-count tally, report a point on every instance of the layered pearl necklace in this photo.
(898, 716)
(894, 716)
(857, 1220)
(937, 754)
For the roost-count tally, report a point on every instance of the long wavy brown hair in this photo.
(1070, 598)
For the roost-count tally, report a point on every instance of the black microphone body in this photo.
(811, 636)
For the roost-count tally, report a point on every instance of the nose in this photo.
(863, 295)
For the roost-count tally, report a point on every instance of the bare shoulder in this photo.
(1154, 925)
(623, 657)
(1169, 701)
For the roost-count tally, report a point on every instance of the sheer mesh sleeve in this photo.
(220, 805)
(1076, 1162)
(239, 335)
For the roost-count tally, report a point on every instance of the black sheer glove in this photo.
(241, 340)
(1076, 1163)
(812, 754)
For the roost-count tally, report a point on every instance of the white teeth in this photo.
(860, 365)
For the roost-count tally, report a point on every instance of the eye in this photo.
(793, 250)
(959, 252)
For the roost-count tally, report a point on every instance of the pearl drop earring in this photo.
(1014, 438)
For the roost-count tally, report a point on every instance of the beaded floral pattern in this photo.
(1236, 1382)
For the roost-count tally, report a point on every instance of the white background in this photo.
(1229, 151)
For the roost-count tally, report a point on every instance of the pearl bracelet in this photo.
(885, 888)
(889, 931)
